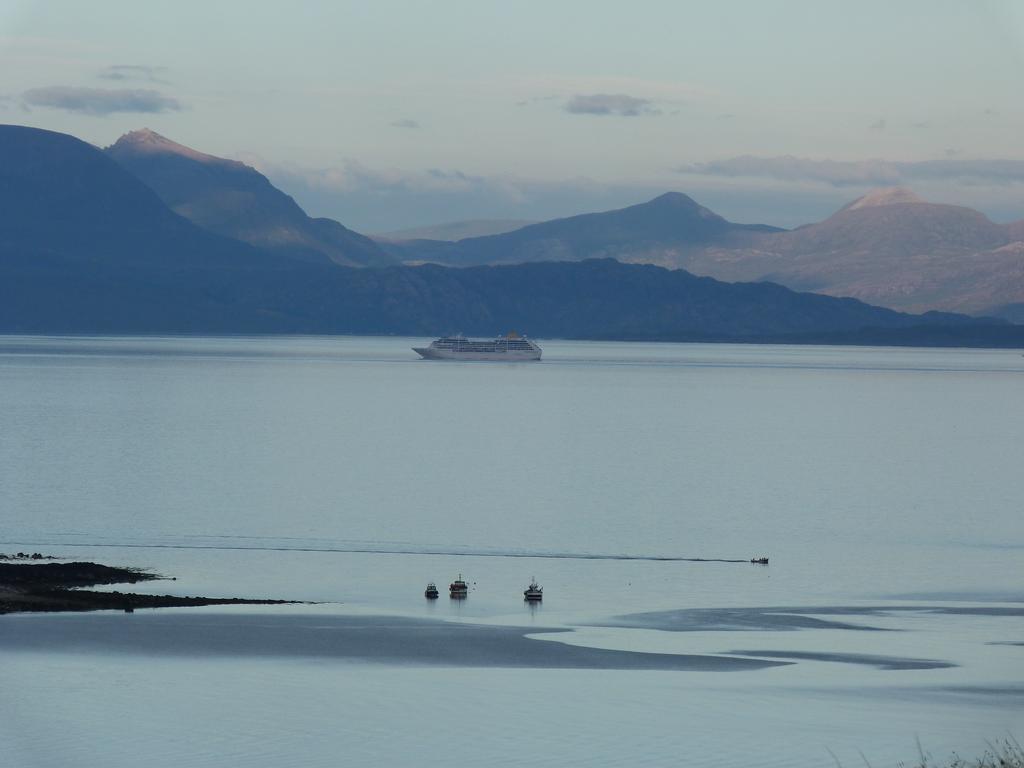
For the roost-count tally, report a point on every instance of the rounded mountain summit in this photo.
(235, 200)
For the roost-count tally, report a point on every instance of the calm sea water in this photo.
(884, 484)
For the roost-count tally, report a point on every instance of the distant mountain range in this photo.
(455, 230)
(86, 246)
(233, 199)
(889, 248)
(669, 228)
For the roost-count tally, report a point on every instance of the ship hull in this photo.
(515, 356)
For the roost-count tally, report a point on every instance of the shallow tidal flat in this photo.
(431, 642)
(378, 639)
(273, 682)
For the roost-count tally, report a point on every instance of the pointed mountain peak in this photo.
(885, 196)
(680, 202)
(148, 142)
(674, 199)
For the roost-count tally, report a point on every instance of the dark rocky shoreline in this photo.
(52, 587)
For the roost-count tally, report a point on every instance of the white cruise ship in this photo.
(510, 347)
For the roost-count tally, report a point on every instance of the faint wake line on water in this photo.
(389, 551)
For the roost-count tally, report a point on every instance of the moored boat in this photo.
(431, 592)
(533, 593)
(458, 588)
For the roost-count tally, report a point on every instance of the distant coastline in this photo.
(1002, 336)
(968, 337)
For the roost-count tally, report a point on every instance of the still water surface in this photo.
(885, 485)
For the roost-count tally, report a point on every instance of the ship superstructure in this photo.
(511, 346)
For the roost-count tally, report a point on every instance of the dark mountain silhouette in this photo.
(603, 298)
(85, 247)
(61, 198)
(667, 228)
(232, 199)
(1014, 313)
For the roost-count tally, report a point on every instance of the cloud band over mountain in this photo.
(100, 101)
(380, 200)
(609, 104)
(861, 173)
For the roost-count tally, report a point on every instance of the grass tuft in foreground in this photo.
(1002, 754)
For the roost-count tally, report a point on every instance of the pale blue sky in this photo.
(391, 114)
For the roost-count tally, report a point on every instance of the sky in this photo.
(388, 114)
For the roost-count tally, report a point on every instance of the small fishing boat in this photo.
(759, 560)
(533, 593)
(458, 589)
(431, 592)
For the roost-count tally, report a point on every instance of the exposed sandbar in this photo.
(377, 639)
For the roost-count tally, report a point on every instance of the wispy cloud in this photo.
(843, 173)
(354, 176)
(134, 72)
(375, 199)
(100, 101)
(616, 96)
(386, 199)
(610, 104)
(405, 123)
